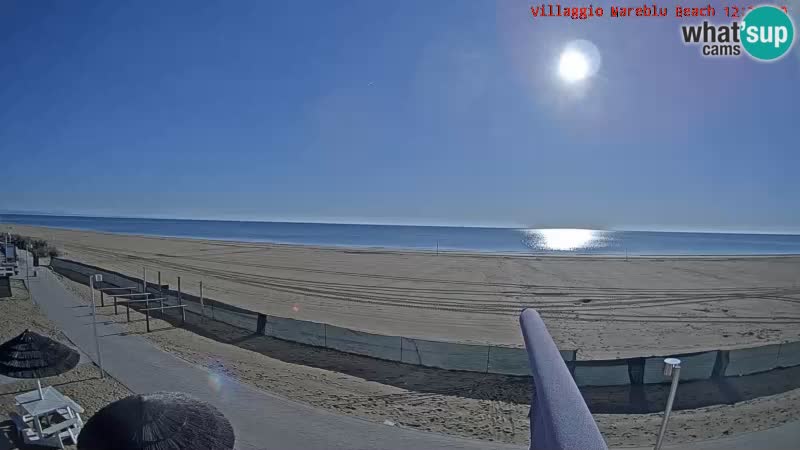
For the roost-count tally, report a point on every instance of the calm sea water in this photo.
(547, 241)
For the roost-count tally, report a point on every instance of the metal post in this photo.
(147, 318)
(180, 301)
(115, 306)
(128, 311)
(94, 324)
(672, 366)
(202, 304)
(144, 279)
(160, 292)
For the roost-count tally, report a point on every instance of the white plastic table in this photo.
(31, 404)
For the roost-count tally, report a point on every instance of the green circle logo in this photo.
(767, 33)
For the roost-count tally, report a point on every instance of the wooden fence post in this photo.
(180, 301)
(202, 304)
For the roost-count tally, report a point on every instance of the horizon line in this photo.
(440, 225)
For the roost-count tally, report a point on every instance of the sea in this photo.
(558, 241)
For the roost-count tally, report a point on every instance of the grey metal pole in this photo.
(672, 366)
(144, 279)
(94, 325)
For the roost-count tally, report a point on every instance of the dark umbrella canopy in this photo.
(160, 421)
(31, 355)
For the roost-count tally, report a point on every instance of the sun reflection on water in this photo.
(564, 239)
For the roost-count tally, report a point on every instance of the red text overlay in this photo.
(653, 10)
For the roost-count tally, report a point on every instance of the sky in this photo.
(412, 112)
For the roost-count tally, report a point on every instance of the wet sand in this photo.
(605, 307)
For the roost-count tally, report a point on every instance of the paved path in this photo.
(261, 420)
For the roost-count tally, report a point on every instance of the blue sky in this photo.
(424, 112)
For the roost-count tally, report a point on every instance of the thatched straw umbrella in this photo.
(160, 421)
(31, 355)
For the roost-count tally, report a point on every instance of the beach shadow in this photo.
(5, 288)
(427, 380)
(105, 322)
(629, 399)
(9, 439)
(30, 386)
(141, 333)
(650, 398)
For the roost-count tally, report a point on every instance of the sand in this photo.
(605, 307)
(82, 384)
(457, 403)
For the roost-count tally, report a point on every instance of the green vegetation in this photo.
(38, 247)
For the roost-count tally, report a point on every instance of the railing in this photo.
(559, 417)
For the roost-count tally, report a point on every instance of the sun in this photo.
(578, 61)
(573, 66)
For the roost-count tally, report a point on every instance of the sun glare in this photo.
(578, 61)
(566, 239)
(563, 239)
(573, 66)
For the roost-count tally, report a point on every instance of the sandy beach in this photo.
(479, 406)
(605, 307)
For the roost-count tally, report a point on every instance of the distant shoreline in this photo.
(402, 250)
(300, 222)
(656, 304)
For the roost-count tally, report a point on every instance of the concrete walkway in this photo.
(260, 420)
